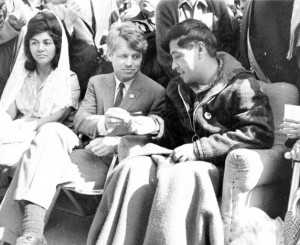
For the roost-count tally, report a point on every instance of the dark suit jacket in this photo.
(144, 95)
(269, 32)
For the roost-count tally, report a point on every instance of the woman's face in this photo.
(42, 48)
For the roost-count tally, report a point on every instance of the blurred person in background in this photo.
(87, 23)
(13, 17)
(128, 9)
(145, 20)
(265, 41)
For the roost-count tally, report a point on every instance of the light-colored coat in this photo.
(144, 95)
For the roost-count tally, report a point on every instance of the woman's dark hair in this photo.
(190, 31)
(42, 22)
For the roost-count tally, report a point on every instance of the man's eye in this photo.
(136, 57)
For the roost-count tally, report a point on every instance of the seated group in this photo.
(168, 197)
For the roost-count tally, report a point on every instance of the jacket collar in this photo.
(231, 67)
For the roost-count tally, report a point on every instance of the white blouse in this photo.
(29, 98)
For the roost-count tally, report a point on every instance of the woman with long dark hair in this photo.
(40, 90)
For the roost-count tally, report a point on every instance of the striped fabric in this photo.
(292, 222)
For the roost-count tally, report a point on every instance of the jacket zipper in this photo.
(193, 120)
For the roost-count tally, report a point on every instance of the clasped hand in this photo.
(114, 117)
(140, 125)
(184, 153)
(291, 128)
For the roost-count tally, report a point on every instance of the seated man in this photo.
(51, 160)
(213, 107)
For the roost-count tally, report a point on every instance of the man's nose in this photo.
(128, 61)
(174, 65)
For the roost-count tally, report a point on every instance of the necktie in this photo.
(119, 96)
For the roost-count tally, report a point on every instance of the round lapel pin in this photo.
(207, 115)
(131, 96)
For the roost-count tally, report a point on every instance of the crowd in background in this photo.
(86, 27)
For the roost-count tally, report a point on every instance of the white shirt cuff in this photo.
(101, 126)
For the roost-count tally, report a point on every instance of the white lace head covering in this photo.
(57, 92)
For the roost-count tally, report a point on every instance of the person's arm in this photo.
(86, 120)
(251, 123)
(58, 116)
(13, 111)
(104, 146)
(16, 19)
(33, 124)
(68, 11)
(297, 44)
(140, 125)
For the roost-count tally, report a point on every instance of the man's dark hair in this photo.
(42, 22)
(191, 31)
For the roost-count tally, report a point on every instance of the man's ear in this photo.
(200, 46)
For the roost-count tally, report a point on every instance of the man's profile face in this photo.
(185, 61)
(125, 61)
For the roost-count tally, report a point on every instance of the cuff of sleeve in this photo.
(197, 149)
(159, 122)
(101, 126)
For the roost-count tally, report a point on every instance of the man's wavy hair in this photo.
(191, 31)
(42, 22)
(130, 32)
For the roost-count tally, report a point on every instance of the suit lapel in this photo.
(109, 93)
(134, 92)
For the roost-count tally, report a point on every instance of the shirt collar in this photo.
(180, 2)
(126, 84)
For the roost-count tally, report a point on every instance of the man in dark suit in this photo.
(265, 41)
(52, 159)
